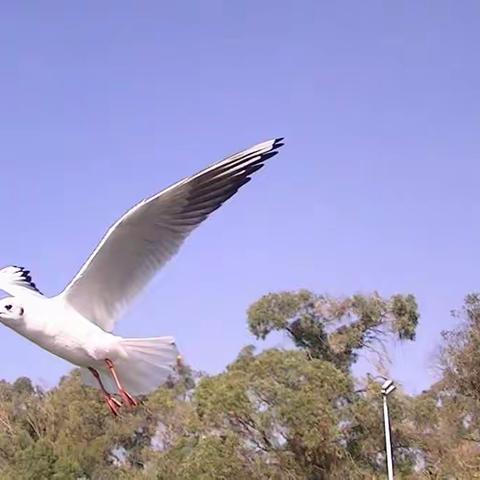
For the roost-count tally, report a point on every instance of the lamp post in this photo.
(387, 388)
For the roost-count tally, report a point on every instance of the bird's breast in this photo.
(74, 339)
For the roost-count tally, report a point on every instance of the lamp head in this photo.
(388, 387)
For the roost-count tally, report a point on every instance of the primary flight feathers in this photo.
(15, 280)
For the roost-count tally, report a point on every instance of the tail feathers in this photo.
(149, 362)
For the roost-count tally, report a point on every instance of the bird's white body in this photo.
(76, 324)
(55, 326)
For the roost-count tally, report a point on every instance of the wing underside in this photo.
(147, 236)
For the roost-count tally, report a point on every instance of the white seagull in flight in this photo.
(77, 324)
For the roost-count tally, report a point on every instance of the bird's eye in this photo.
(8, 307)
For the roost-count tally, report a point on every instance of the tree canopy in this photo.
(281, 414)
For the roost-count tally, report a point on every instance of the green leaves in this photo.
(404, 310)
(334, 329)
(276, 310)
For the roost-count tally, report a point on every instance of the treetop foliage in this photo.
(334, 329)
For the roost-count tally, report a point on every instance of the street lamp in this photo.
(387, 388)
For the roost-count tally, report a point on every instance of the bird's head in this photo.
(11, 310)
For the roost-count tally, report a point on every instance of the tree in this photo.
(334, 329)
(448, 414)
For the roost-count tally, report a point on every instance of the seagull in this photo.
(77, 324)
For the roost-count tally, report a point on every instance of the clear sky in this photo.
(104, 103)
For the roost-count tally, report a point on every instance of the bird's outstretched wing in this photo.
(147, 236)
(17, 281)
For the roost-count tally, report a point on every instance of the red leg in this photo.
(127, 398)
(111, 401)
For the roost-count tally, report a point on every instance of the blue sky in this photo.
(104, 103)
